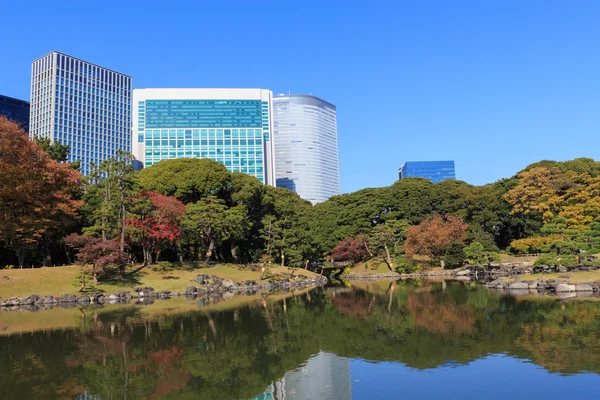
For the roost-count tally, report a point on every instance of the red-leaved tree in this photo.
(37, 194)
(351, 249)
(435, 236)
(98, 257)
(154, 222)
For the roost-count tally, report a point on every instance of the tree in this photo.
(110, 185)
(434, 236)
(98, 256)
(384, 238)
(56, 150)
(476, 254)
(187, 179)
(351, 249)
(207, 220)
(36, 192)
(541, 192)
(154, 221)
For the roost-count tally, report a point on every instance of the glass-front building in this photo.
(80, 104)
(306, 146)
(231, 126)
(15, 110)
(435, 171)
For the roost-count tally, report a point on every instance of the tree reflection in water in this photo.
(236, 354)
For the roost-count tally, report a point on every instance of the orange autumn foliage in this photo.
(439, 317)
(435, 236)
(36, 192)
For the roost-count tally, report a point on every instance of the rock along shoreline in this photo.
(205, 286)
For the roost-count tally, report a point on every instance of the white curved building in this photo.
(306, 146)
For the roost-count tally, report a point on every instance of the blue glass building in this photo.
(435, 171)
(81, 104)
(15, 110)
(231, 126)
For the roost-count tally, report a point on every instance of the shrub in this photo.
(545, 259)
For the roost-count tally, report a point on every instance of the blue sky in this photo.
(494, 85)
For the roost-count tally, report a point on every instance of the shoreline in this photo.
(214, 287)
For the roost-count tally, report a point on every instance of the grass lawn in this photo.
(60, 280)
(373, 266)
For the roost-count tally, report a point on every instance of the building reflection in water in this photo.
(325, 376)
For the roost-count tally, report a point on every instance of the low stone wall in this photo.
(207, 286)
(540, 285)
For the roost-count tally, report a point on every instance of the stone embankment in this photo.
(540, 285)
(204, 285)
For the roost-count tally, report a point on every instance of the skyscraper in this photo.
(81, 104)
(306, 146)
(231, 126)
(15, 110)
(435, 171)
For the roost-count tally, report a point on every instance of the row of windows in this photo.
(205, 142)
(202, 133)
(204, 113)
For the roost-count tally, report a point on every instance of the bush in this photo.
(567, 261)
(455, 257)
(546, 259)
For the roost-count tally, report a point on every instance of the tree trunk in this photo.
(282, 259)
(123, 218)
(388, 258)
(68, 254)
(21, 257)
(262, 273)
(367, 248)
(48, 259)
(211, 249)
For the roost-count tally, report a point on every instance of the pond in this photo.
(373, 340)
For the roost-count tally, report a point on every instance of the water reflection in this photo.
(338, 343)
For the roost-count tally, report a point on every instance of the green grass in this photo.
(59, 280)
(371, 267)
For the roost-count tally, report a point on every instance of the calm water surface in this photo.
(379, 340)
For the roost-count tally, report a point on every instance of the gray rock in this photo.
(190, 290)
(563, 287)
(519, 285)
(227, 283)
(562, 268)
(49, 300)
(584, 287)
(465, 272)
(533, 285)
(113, 297)
(83, 299)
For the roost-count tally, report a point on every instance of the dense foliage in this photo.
(194, 209)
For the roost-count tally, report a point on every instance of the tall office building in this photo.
(231, 126)
(306, 146)
(81, 104)
(435, 171)
(15, 110)
(323, 376)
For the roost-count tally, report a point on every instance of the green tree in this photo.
(476, 254)
(110, 186)
(386, 239)
(187, 179)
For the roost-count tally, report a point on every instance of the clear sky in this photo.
(494, 85)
